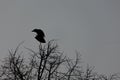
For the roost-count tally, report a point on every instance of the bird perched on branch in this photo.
(40, 35)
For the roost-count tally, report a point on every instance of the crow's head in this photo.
(39, 32)
(36, 30)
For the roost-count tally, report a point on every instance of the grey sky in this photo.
(89, 26)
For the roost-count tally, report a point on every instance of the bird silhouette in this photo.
(40, 35)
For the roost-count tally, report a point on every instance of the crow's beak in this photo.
(33, 30)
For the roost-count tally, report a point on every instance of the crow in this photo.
(40, 35)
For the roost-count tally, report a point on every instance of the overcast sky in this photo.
(89, 26)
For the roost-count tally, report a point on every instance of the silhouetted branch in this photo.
(49, 63)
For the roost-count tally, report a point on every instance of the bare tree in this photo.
(49, 63)
(42, 65)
